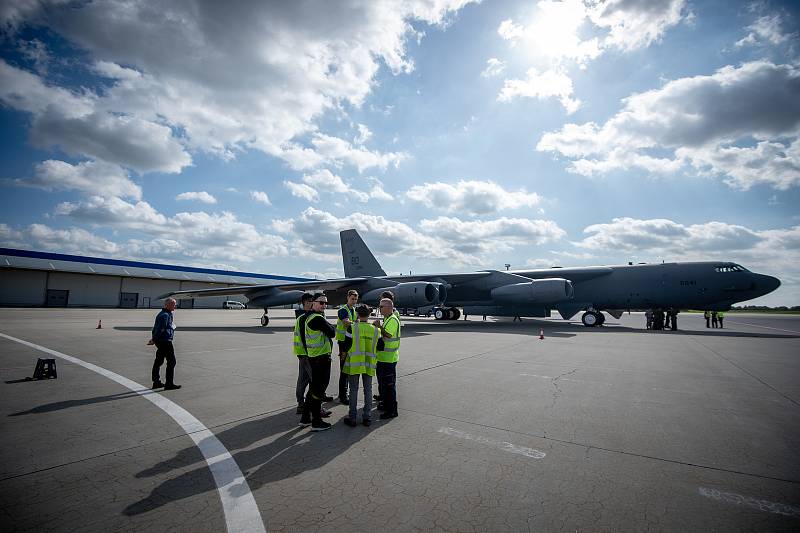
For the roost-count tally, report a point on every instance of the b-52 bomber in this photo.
(706, 285)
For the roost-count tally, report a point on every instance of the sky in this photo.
(454, 135)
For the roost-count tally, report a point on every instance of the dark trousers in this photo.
(387, 377)
(320, 376)
(164, 351)
(343, 380)
(303, 378)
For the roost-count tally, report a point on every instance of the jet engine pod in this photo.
(411, 294)
(549, 290)
(273, 297)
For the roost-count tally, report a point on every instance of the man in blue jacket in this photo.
(163, 332)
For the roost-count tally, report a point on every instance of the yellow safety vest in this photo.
(362, 357)
(298, 349)
(316, 342)
(391, 347)
(341, 328)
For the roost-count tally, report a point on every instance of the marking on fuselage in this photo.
(238, 504)
(500, 445)
(758, 326)
(748, 501)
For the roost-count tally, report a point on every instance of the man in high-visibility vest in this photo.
(345, 316)
(361, 348)
(386, 369)
(720, 317)
(299, 350)
(317, 335)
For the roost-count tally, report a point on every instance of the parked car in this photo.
(233, 305)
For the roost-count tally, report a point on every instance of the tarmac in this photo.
(590, 429)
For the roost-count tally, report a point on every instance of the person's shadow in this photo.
(295, 450)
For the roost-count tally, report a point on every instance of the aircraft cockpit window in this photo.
(730, 268)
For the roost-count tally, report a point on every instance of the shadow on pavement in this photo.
(66, 404)
(290, 451)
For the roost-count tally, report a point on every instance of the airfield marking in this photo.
(749, 501)
(765, 327)
(235, 349)
(238, 504)
(505, 446)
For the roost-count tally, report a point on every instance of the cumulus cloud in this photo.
(551, 83)
(766, 30)
(217, 78)
(471, 197)
(748, 114)
(553, 38)
(260, 196)
(494, 67)
(301, 190)
(199, 196)
(460, 242)
(187, 235)
(71, 240)
(89, 177)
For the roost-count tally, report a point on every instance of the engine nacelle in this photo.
(549, 290)
(411, 294)
(273, 297)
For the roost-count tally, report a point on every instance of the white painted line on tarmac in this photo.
(748, 501)
(765, 327)
(238, 504)
(505, 446)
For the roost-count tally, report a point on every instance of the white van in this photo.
(233, 305)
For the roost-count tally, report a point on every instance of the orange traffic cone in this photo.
(99, 324)
(541, 334)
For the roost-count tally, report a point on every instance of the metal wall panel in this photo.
(22, 287)
(87, 290)
(149, 290)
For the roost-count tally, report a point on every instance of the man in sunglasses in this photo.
(317, 335)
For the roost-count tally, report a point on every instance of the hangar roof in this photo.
(33, 260)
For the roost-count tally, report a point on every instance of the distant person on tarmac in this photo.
(162, 335)
(648, 318)
(720, 316)
(674, 314)
(714, 319)
(707, 316)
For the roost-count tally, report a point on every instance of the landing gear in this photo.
(264, 319)
(447, 313)
(593, 318)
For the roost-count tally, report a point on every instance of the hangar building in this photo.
(41, 279)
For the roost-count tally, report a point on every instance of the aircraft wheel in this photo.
(264, 320)
(439, 314)
(590, 319)
(456, 313)
(601, 318)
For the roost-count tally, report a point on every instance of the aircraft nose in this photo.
(765, 284)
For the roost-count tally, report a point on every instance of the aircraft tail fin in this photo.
(358, 260)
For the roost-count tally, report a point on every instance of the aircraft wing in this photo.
(453, 279)
(321, 284)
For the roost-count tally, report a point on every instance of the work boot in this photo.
(157, 385)
(320, 426)
(171, 386)
(387, 416)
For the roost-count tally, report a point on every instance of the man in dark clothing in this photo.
(304, 369)
(674, 314)
(163, 332)
(317, 335)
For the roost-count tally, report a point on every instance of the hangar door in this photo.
(57, 298)
(129, 300)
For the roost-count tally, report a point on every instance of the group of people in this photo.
(366, 350)
(661, 319)
(714, 318)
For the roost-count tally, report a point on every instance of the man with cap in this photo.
(317, 335)
(361, 348)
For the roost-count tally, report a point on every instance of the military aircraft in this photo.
(706, 285)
